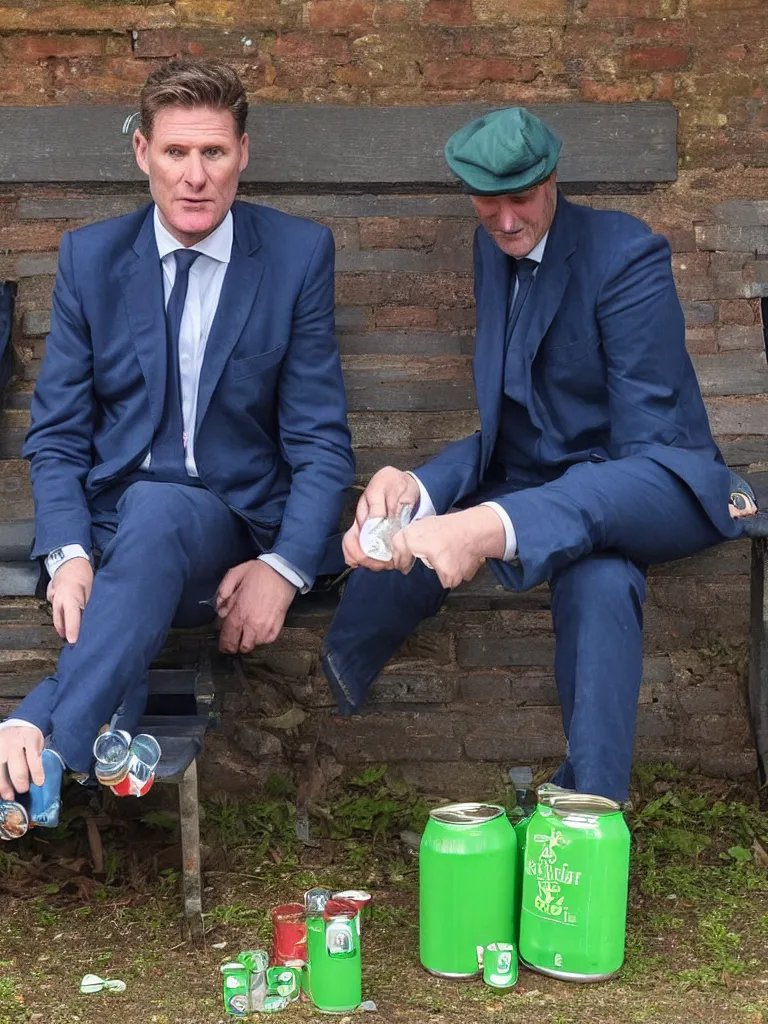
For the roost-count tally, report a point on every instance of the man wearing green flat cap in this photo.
(594, 457)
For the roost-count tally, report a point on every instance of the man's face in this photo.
(193, 158)
(518, 222)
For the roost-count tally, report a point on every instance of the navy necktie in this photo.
(525, 269)
(168, 444)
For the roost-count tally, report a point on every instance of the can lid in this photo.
(583, 803)
(340, 910)
(466, 814)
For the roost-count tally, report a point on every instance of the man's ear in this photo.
(140, 150)
(244, 151)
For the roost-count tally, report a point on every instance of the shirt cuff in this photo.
(16, 721)
(57, 558)
(426, 508)
(286, 570)
(510, 550)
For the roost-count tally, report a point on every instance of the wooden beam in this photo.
(316, 145)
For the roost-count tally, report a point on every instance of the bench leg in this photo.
(189, 812)
(758, 659)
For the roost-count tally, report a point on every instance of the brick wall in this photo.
(476, 684)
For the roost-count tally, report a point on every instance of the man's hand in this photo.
(21, 750)
(68, 592)
(454, 545)
(252, 601)
(386, 493)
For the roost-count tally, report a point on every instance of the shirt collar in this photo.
(537, 252)
(217, 245)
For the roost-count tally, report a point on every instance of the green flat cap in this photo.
(505, 151)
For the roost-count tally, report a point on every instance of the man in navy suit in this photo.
(594, 456)
(189, 438)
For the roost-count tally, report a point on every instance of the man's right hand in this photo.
(21, 758)
(386, 493)
(68, 592)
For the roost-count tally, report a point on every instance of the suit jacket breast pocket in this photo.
(570, 350)
(250, 366)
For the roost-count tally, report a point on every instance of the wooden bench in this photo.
(179, 710)
(407, 374)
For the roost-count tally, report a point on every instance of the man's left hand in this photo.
(252, 602)
(454, 545)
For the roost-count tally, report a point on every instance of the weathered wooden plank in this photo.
(403, 343)
(310, 144)
(744, 451)
(732, 373)
(738, 415)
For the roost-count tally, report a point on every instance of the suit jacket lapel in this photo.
(551, 281)
(238, 293)
(145, 301)
(489, 341)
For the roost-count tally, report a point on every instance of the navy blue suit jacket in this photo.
(607, 374)
(271, 437)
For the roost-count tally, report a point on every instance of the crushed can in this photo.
(14, 820)
(361, 899)
(127, 765)
(250, 986)
(576, 876)
(334, 969)
(315, 900)
(44, 801)
(499, 964)
(289, 935)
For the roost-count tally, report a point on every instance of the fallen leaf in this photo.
(290, 719)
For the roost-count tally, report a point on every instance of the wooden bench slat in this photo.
(316, 144)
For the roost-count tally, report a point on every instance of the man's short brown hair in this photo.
(193, 83)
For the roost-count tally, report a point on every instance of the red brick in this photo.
(298, 44)
(506, 12)
(465, 72)
(398, 232)
(634, 9)
(608, 92)
(392, 288)
(665, 87)
(447, 12)
(681, 32)
(739, 311)
(107, 17)
(40, 47)
(84, 80)
(658, 58)
(520, 41)
(23, 84)
(302, 74)
(387, 317)
(719, 6)
(32, 236)
(392, 12)
(701, 341)
(195, 43)
(340, 14)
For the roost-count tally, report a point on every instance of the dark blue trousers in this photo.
(591, 534)
(164, 548)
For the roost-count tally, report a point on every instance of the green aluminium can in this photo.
(467, 864)
(575, 880)
(334, 970)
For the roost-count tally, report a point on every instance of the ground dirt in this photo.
(698, 919)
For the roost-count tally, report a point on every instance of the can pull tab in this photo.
(339, 940)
